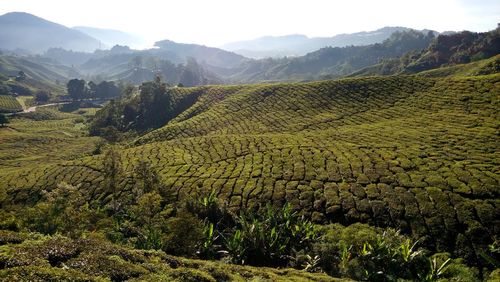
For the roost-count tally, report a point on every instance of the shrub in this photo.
(271, 238)
(184, 233)
(42, 96)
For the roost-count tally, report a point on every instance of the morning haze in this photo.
(250, 141)
(214, 23)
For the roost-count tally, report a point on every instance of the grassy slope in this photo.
(417, 153)
(31, 142)
(40, 75)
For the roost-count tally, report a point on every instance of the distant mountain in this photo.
(205, 55)
(329, 62)
(111, 37)
(298, 45)
(28, 32)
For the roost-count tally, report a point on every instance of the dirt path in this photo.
(33, 108)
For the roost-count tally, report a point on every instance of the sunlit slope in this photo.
(291, 107)
(420, 154)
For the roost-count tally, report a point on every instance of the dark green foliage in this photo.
(271, 238)
(21, 76)
(19, 88)
(62, 209)
(77, 89)
(372, 254)
(154, 105)
(3, 120)
(42, 96)
(4, 89)
(150, 109)
(112, 170)
(103, 90)
(185, 232)
(446, 50)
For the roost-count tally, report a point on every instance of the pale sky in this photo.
(215, 22)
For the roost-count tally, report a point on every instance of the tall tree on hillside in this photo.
(154, 105)
(76, 89)
(112, 169)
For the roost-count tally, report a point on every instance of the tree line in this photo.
(151, 108)
(79, 89)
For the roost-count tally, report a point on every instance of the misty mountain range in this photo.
(25, 32)
(299, 45)
(93, 53)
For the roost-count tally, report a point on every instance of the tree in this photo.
(76, 89)
(192, 74)
(42, 96)
(154, 105)
(21, 76)
(92, 89)
(3, 120)
(107, 89)
(112, 172)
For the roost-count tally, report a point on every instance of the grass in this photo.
(416, 153)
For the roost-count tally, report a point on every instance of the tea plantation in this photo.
(416, 153)
(9, 104)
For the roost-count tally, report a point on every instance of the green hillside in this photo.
(464, 53)
(9, 104)
(416, 153)
(40, 74)
(328, 62)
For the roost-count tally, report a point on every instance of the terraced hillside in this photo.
(420, 154)
(9, 104)
(43, 137)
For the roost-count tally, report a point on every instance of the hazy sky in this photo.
(214, 22)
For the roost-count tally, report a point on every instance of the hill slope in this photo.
(28, 32)
(416, 153)
(328, 62)
(445, 51)
(207, 55)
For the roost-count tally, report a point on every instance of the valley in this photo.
(374, 158)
